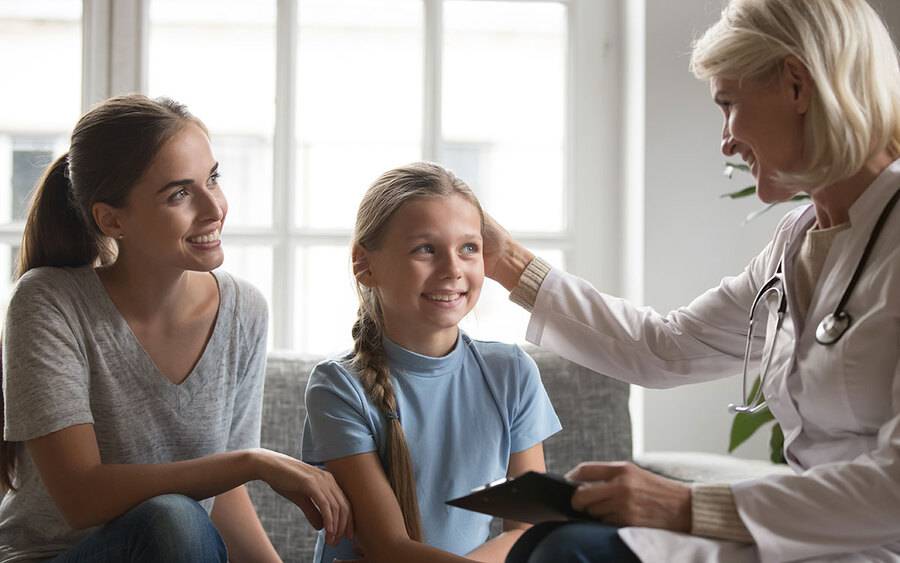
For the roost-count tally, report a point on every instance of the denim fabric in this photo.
(571, 542)
(171, 528)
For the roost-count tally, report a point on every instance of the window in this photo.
(308, 101)
(39, 103)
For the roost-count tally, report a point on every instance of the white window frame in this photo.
(115, 44)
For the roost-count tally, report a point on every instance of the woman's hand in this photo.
(623, 494)
(312, 489)
(504, 258)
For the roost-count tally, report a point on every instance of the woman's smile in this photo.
(206, 241)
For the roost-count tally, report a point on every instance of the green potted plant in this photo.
(745, 425)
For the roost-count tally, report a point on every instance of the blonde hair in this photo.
(855, 107)
(391, 191)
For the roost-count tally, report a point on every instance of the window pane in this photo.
(218, 57)
(252, 263)
(359, 106)
(504, 107)
(41, 98)
(495, 317)
(325, 300)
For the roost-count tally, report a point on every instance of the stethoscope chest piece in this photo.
(832, 328)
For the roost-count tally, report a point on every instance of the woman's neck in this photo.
(146, 296)
(833, 202)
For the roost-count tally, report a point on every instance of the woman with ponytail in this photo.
(419, 412)
(133, 372)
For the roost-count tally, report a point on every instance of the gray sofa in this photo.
(593, 410)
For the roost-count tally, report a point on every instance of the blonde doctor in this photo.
(810, 92)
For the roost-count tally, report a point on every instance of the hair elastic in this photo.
(392, 415)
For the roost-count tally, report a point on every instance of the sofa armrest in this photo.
(707, 468)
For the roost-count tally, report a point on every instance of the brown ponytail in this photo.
(389, 192)
(55, 233)
(111, 147)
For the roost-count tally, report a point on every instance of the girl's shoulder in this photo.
(335, 377)
(336, 370)
(501, 357)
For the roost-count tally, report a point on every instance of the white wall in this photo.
(692, 238)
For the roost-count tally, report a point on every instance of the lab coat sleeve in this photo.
(700, 342)
(831, 508)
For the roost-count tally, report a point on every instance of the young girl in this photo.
(133, 373)
(420, 413)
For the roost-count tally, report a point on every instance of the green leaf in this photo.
(776, 445)
(748, 191)
(745, 424)
(738, 166)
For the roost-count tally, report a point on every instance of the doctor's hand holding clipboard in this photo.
(810, 96)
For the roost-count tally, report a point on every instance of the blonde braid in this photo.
(370, 362)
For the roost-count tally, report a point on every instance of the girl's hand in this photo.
(623, 494)
(312, 489)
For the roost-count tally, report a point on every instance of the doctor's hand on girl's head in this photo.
(624, 494)
(496, 241)
(504, 258)
(313, 490)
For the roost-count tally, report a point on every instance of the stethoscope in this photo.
(829, 331)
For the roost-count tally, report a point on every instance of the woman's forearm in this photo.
(105, 491)
(236, 519)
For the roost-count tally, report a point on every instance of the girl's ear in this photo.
(361, 270)
(107, 219)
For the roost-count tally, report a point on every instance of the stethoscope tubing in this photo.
(867, 252)
(830, 329)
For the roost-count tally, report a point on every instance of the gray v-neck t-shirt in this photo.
(70, 358)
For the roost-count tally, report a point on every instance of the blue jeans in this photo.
(571, 542)
(170, 528)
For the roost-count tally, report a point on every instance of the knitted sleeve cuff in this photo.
(525, 292)
(715, 515)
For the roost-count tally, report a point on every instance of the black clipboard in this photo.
(531, 497)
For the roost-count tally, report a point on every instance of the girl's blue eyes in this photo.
(468, 248)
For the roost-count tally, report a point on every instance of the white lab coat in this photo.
(839, 405)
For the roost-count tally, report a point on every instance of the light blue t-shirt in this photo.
(463, 415)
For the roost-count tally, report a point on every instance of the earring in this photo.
(120, 236)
